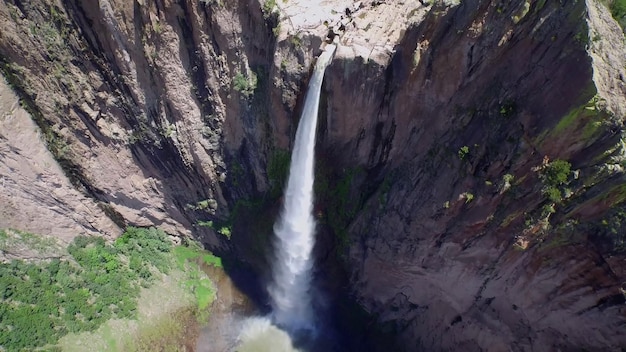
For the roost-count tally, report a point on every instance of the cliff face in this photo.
(34, 189)
(460, 244)
(442, 148)
(136, 101)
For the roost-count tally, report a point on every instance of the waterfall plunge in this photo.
(295, 229)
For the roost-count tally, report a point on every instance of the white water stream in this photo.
(295, 235)
(295, 229)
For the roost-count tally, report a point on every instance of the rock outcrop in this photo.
(470, 153)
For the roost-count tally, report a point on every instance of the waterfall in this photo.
(295, 228)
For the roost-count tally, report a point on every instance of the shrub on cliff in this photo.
(554, 176)
(245, 85)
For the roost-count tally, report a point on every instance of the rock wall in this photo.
(137, 101)
(441, 183)
(36, 196)
(457, 245)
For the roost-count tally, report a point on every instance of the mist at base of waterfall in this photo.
(243, 322)
(260, 335)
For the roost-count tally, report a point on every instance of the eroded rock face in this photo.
(446, 252)
(137, 100)
(439, 125)
(36, 196)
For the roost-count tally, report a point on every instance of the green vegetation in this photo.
(613, 228)
(540, 5)
(52, 39)
(268, 8)
(166, 317)
(190, 258)
(463, 152)
(276, 30)
(11, 241)
(567, 120)
(468, 197)
(258, 212)
(509, 219)
(235, 173)
(157, 27)
(554, 176)
(296, 40)
(209, 205)
(547, 209)
(203, 289)
(507, 109)
(95, 281)
(208, 224)
(245, 85)
(165, 334)
(589, 114)
(618, 10)
(192, 251)
(556, 172)
(342, 203)
(553, 194)
(271, 16)
(278, 171)
(43, 301)
(608, 233)
(226, 231)
(616, 195)
(559, 239)
(521, 13)
(210, 259)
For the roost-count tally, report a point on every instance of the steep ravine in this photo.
(447, 217)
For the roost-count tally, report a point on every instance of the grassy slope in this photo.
(169, 305)
(157, 306)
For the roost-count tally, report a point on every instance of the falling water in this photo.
(291, 300)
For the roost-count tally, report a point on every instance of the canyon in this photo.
(469, 164)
